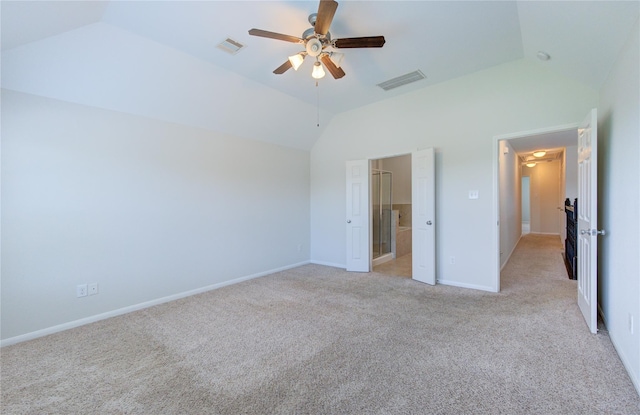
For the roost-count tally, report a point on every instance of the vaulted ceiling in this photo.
(159, 58)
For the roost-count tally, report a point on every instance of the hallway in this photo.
(537, 258)
(536, 273)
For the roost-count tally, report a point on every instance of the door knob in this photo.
(593, 232)
(429, 222)
(349, 221)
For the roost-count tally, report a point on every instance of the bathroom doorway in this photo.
(391, 232)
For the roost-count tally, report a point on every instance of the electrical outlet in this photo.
(299, 247)
(81, 290)
(473, 194)
(93, 288)
(452, 260)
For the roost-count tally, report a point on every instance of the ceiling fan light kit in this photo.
(296, 60)
(318, 43)
(314, 47)
(318, 71)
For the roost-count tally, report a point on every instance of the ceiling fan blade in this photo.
(326, 10)
(335, 71)
(360, 42)
(283, 68)
(273, 35)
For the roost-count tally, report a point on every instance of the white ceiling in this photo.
(546, 141)
(443, 39)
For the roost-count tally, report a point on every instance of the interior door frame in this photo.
(371, 160)
(495, 237)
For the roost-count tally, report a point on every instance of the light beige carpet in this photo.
(319, 340)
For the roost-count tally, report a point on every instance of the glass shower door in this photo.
(381, 212)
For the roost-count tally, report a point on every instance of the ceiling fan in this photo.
(318, 43)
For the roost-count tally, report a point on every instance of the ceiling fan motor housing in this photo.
(311, 32)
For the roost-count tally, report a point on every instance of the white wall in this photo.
(401, 185)
(619, 204)
(510, 200)
(460, 119)
(544, 184)
(145, 208)
(526, 207)
(108, 67)
(571, 172)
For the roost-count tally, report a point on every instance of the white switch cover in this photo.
(473, 194)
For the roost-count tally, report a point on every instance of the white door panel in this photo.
(588, 219)
(423, 216)
(357, 216)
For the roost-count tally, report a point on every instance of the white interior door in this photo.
(588, 219)
(423, 212)
(358, 216)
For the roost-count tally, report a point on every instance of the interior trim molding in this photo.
(329, 264)
(465, 285)
(511, 253)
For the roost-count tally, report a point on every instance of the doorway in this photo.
(422, 213)
(391, 215)
(551, 179)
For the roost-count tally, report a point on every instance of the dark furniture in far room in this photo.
(570, 245)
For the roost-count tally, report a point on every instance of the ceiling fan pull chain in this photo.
(318, 106)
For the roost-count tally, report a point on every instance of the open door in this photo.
(588, 219)
(358, 216)
(423, 216)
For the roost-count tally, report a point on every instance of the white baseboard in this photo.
(140, 306)
(633, 374)
(382, 259)
(601, 314)
(464, 285)
(329, 264)
(511, 253)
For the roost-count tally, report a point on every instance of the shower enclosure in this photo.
(381, 214)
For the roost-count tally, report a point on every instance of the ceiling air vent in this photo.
(402, 80)
(230, 46)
